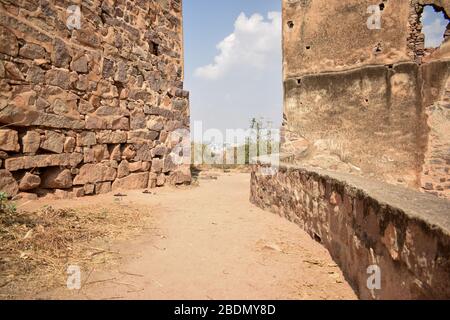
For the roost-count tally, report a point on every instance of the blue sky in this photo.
(241, 79)
(434, 27)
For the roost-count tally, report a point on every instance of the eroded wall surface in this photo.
(91, 108)
(372, 102)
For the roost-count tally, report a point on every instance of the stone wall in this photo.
(91, 109)
(365, 223)
(366, 101)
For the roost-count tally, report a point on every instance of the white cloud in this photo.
(434, 25)
(253, 43)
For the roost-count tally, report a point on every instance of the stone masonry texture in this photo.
(377, 95)
(89, 109)
(366, 223)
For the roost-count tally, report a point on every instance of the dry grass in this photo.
(37, 247)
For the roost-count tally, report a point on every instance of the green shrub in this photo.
(6, 206)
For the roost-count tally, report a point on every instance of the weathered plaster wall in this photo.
(323, 35)
(366, 93)
(90, 110)
(364, 223)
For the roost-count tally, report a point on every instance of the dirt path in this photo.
(209, 242)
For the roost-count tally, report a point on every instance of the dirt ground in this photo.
(207, 242)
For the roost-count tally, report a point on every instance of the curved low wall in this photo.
(370, 228)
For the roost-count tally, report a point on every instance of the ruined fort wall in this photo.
(367, 226)
(323, 36)
(365, 94)
(91, 109)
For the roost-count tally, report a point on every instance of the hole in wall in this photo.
(154, 48)
(435, 22)
(308, 47)
(299, 81)
(382, 6)
(317, 238)
(290, 24)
